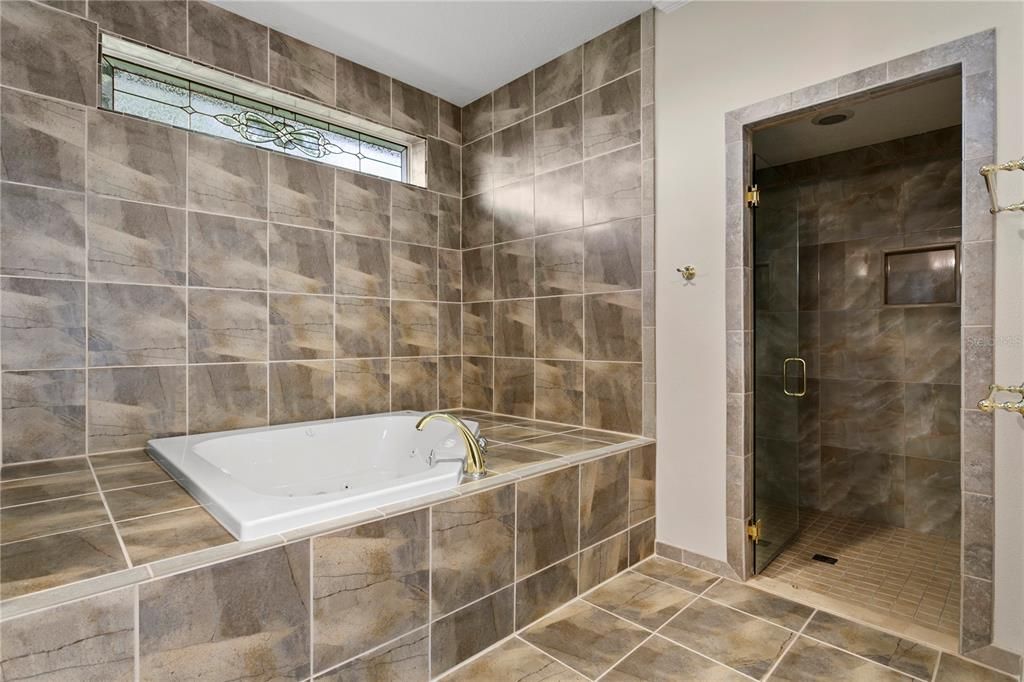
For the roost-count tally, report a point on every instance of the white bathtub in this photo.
(268, 480)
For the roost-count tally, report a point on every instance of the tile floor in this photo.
(894, 571)
(665, 621)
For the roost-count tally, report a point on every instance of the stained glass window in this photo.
(150, 94)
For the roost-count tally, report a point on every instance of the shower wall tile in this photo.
(612, 256)
(513, 211)
(559, 79)
(478, 382)
(512, 154)
(362, 386)
(514, 269)
(301, 260)
(43, 414)
(513, 101)
(363, 91)
(227, 41)
(43, 323)
(478, 328)
(413, 109)
(547, 525)
(559, 136)
(134, 159)
(136, 243)
(414, 384)
(161, 24)
(559, 199)
(227, 252)
(478, 274)
(361, 327)
(559, 391)
(612, 186)
(413, 328)
(301, 68)
(478, 220)
(414, 272)
(933, 497)
(48, 52)
(226, 177)
(611, 116)
(301, 391)
(222, 397)
(449, 122)
(477, 118)
(613, 326)
(612, 54)
(362, 205)
(513, 386)
(604, 498)
(449, 329)
(42, 141)
(227, 326)
(301, 327)
(130, 405)
(514, 328)
(449, 222)
(559, 264)
(42, 232)
(301, 192)
(136, 325)
(560, 327)
(413, 215)
(361, 266)
(614, 396)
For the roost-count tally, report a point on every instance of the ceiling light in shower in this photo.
(832, 118)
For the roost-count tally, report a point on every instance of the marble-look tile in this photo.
(43, 415)
(513, 153)
(514, 269)
(301, 260)
(560, 444)
(956, 669)
(362, 205)
(405, 658)
(466, 632)
(868, 485)
(93, 637)
(559, 199)
(547, 525)
(444, 167)
(249, 614)
(47, 487)
(119, 459)
(603, 560)
(145, 500)
(449, 381)
(227, 177)
(301, 68)
(449, 268)
(301, 192)
(513, 211)
(503, 458)
(559, 135)
(614, 396)
(862, 415)
(361, 266)
(478, 220)
(560, 327)
(740, 641)
(48, 52)
(42, 142)
(807, 658)
(57, 516)
(478, 166)
(559, 80)
(641, 541)
(228, 41)
(18, 470)
(613, 326)
(932, 496)
(674, 573)
(612, 186)
(478, 328)
(227, 326)
(978, 535)
(478, 274)
(301, 391)
(778, 610)
(130, 158)
(130, 405)
(413, 328)
(513, 101)
(611, 116)
(449, 122)
(514, 660)
(612, 54)
(612, 256)
(370, 585)
(640, 599)
(932, 345)
(978, 467)
(585, 638)
(559, 264)
(976, 612)
(227, 252)
(413, 271)
(52, 560)
(604, 498)
(449, 222)
(362, 327)
(413, 215)
(152, 538)
(113, 478)
(363, 91)
(660, 659)
(162, 24)
(414, 384)
(477, 118)
(362, 386)
(301, 327)
(642, 463)
(478, 382)
(903, 655)
(42, 232)
(473, 547)
(413, 109)
(546, 590)
(136, 325)
(513, 328)
(559, 391)
(43, 323)
(136, 243)
(225, 397)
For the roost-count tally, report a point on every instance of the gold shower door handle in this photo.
(803, 376)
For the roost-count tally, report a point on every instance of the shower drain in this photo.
(824, 558)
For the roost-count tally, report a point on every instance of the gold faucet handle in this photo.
(990, 404)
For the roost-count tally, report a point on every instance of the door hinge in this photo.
(754, 531)
(753, 196)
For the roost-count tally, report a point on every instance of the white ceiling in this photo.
(457, 50)
(929, 106)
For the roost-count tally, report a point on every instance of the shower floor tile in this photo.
(895, 571)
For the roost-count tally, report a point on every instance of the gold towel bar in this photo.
(989, 171)
(990, 404)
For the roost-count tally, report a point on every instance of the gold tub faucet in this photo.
(476, 448)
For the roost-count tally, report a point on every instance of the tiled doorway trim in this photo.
(974, 57)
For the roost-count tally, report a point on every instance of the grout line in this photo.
(136, 639)
(110, 515)
(537, 648)
(789, 645)
(630, 653)
(59, 532)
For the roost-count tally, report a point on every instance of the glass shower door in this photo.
(780, 377)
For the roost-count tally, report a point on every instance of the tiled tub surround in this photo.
(558, 238)
(158, 282)
(878, 433)
(562, 510)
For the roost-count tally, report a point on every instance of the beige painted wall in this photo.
(716, 57)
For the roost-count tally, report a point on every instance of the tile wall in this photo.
(403, 597)
(558, 238)
(155, 281)
(879, 430)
